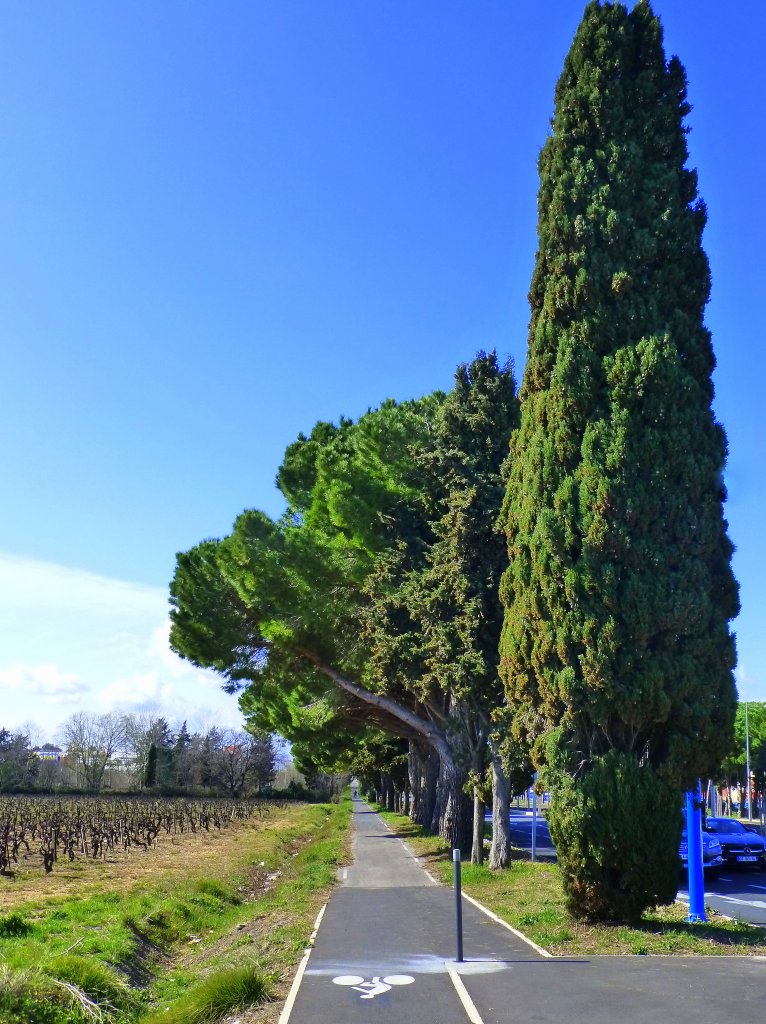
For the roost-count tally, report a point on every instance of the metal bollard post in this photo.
(458, 905)
(694, 857)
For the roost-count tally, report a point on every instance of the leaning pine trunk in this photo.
(500, 851)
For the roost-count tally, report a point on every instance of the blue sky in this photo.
(221, 223)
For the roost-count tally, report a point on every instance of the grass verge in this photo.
(161, 941)
(531, 899)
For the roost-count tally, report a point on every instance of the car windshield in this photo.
(724, 825)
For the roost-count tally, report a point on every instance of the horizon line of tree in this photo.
(140, 752)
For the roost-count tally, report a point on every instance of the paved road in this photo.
(384, 951)
(736, 893)
(521, 834)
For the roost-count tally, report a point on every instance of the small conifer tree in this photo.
(616, 654)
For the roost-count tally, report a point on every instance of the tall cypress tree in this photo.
(616, 652)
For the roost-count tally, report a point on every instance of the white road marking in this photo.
(287, 1009)
(317, 923)
(499, 920)
(416, 965)
(745, 903)
(411, 853)
(752, 885)
(376, 987)
(465, 999)
(284, 1016)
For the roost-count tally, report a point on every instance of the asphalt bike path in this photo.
(385, 946)
(384, 950)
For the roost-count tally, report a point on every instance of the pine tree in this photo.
(456, 597)
(150, 770)
(616, 652)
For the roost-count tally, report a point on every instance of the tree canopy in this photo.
(332, 609)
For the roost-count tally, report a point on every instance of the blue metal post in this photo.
(694, 854)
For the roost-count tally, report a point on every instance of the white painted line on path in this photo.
(287, 1009)
(284, 1016)
(745, 903)
(752, 885)
(411, 853)
(465, 999)
(499, 920)
(317, 923)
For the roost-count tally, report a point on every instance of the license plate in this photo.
(753, 859)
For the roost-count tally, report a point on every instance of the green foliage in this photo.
(616, 833)
(372, 604)
(276, 605)
(211, 1000)
(457, 602)
(619, 592)
(94, 978)
(26, 998)
(435, 617)
(150, 771)
(12, 925)
(735, 763)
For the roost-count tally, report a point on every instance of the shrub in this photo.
(218, 995)
(617, 832)
(100, 984)
(13, 925)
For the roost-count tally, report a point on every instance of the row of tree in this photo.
(139, 752)
(468, 585)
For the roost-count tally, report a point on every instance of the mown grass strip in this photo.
(530, 898)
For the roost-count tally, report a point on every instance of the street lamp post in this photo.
(747, 766)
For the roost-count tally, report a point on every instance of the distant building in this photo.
(48, 752)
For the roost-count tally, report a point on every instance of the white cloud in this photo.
(27, 582)
(174, 700)
(47, 681)
(69, 637)
(137, 691)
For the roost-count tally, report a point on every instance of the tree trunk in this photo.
(500, 851)
(413, 776)
(477, 847)
(424, 770)
(449, 818)
(390, 793)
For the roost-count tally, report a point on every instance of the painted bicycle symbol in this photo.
(376, 987)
